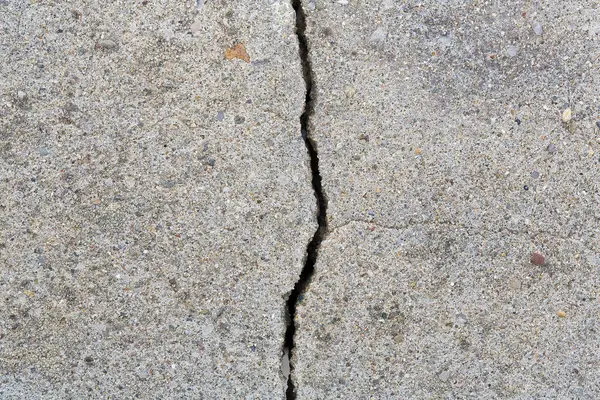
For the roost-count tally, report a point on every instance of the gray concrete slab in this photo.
(455, 139)
(156, 197)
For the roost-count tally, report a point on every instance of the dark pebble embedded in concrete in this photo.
(239, 119)
(551, 148)
(537, 259)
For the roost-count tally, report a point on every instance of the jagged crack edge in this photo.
(313, 246)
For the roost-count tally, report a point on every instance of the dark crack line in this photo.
(313, 246)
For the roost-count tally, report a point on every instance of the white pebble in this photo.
(512, 51)
(195, 27)
(537, 28)
(378, 36)
(167, 34)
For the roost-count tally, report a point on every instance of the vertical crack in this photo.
(313, 246)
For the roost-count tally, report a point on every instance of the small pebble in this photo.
(239, 119)
(350, 91)
(220, 116)
(566, 115)
(515, 284)
(598, 124)
(561, 314)
(551, 148)
(526, 187)
(107, 44)
(444, 376)
(311, 6)
(168, 34)
(195, 27)
(537, 259)
(211, 162)
(537, 28)
(378, 36)
(512, 51)
(535, 174)
(22, 96)
(44, 151)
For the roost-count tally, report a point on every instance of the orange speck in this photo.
(237, 51)
(417, 151)
(561, 314)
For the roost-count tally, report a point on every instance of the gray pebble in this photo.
(167, 184)
(71, 107)
(211, 162)
(512, 51)
(239, 119)
(537, 28)
(220, 116)
(444, 376)
(378, 37)
(535, 174)
(551, 148)
(44, 151)
(22, 96)
(598, 124)
(107, 44)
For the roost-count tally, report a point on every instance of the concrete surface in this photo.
(455, 138)
(158, 204)
(156, 197)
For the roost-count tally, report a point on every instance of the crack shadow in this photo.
(313, 246)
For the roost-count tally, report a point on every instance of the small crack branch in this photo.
(313, 246)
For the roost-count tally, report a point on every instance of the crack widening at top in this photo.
(313, 246)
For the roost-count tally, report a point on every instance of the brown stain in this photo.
(237, 51)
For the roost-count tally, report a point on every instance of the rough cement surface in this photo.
(156, 197)
(455, 138)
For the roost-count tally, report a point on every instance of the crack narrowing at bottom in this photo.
(313, 246)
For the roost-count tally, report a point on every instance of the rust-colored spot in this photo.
(537, 259)
(237, 51)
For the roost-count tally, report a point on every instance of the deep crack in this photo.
(313, 246)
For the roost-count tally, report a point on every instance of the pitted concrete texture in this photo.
(455, 138)
(156, 197)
